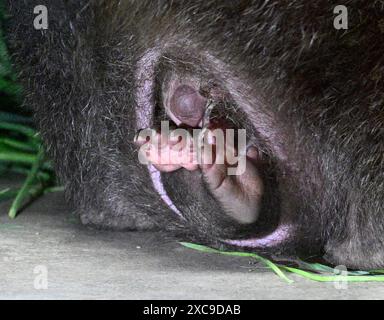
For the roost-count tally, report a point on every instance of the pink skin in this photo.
(167, 154)
(239, 195)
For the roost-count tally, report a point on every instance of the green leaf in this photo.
(25, 189)
(18, 157)
(274, 267)
(20, 128)
(327, 273)
(377, 271)
(13, 117)
(7, 193)
(54, 189)
(318, 267)
(199, 247)
(332, 278)
(19, 145)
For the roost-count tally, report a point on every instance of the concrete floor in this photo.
(46, 242)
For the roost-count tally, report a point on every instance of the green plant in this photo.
(21, 153)
(312, 271)
(20, 146)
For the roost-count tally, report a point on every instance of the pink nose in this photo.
(187, 105)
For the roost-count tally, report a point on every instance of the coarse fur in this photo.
(313, 94)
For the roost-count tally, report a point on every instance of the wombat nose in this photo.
(187, 105)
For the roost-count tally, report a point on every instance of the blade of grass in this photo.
(41, 175)
(9, 87)
(18, 157)
(27, 131)
(274, 267)
(24, 191)
(7, 193)
(199, 247)
(17, 144)
(351, 276)
(317, 267)
(12, 117)
(321, 268)
(54, 189)
(331, 278)
(378, 271)
(10, 193)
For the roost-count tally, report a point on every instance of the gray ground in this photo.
(89, 264)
